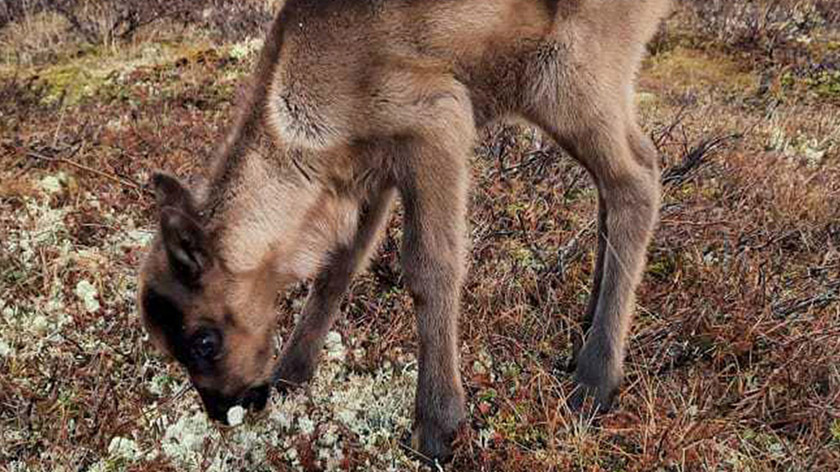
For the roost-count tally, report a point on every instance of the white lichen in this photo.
(5, 349)
(306, 425)
(184, 439)
(124, 448)
(53, 184)
(87, 293)
(159, 384)
(334, 346)
(337, 410)
(243, 49)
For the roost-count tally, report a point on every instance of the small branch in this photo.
(569, 252)
(785, 309)
(669, 130)
(694, 158)
(89, 35)
(119, 180)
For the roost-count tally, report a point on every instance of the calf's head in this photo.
(215, 323)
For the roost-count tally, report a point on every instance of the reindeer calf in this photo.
(355, 102)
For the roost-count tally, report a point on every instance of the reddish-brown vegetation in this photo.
(735, 358)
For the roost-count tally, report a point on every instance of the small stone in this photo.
(235, 415)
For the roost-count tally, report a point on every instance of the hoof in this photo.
(291, 374)
(285, 386)
(431, 448)
(589, 401)
(597, 376)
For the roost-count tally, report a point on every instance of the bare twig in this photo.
(669, 130)
(694, 158)
(787, 308)
(569, 252)
(116, 179)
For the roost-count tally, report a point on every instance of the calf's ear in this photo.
(170, 192)
(183, 237)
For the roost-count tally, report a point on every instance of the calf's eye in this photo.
(206, 344)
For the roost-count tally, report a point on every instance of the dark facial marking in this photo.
(164, 315)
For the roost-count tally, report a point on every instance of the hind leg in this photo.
(624, 166)
(597, 275)
(630, 200)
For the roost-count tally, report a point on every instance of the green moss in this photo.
(514, 208)
(72, 82)
(826, 83)
(96, 69)
(663, 266)
(691, 69)
(487, 395)
(510, 425)
(525, 257)
(787, 80)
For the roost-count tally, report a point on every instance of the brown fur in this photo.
(356, 101)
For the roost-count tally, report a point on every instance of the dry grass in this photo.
(735, 358)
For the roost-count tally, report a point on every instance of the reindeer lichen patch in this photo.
(136, 238)
(184, 439)
(246, 48)
(123, 448)
(51, 184)
(801, 148)
(336, 410)
(87, 293)
(335, 349)
(5, 349)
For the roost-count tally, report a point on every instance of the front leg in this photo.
(301, 353)
(433, 264)
(434, 194)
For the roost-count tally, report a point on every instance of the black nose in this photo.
(217, 405)
(256, 398)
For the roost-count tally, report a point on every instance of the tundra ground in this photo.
(734, 362)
